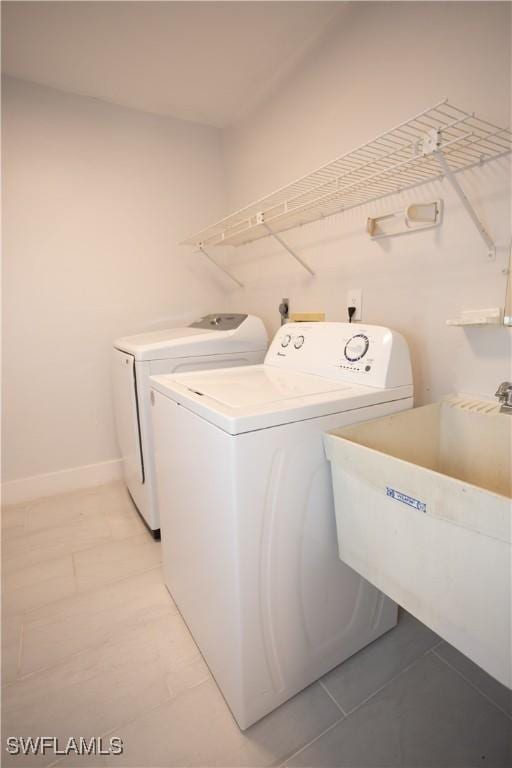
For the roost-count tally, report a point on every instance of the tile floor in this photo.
(92, 645)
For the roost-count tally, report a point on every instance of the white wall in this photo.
(96, 198)
(380, 65)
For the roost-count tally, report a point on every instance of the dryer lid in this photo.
(213, 335)
(168, 342)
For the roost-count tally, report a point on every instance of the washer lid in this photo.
(256, 385)
(253, 397)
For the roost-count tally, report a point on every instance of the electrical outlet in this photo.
(284, 310)
(355, 299)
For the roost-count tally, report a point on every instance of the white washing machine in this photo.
(214, 341)
(245, 489)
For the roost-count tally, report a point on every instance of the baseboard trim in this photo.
(65, 481)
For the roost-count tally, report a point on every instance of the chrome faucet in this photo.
(504, 395)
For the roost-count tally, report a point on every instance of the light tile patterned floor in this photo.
(94, 646)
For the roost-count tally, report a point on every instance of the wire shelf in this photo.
(399, 159)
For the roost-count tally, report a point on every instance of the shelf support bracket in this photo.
(219, 266)
(260, 218)
(432, 145)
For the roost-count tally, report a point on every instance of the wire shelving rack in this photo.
(440, 141)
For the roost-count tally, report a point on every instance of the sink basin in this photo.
(423, 511)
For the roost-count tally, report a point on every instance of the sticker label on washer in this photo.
(405, 499)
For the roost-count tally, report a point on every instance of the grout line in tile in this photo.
(358, 706)
(74, 570)
(473, 685)
(327, 691)
(27, 508)
(48, 603)
(63, 554)
(391, 679)
(97, 586)
(104, 735)
(65, 659)
(109, 582)
(305, 746)
(142, 713)
(108, 538)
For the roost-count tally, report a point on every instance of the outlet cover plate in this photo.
(355, 299)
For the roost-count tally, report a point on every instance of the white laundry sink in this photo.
(423, 511)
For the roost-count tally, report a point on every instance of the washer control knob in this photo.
(299, 341)
(286, 340)
(356, 347)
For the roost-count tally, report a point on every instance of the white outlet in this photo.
(355, 299)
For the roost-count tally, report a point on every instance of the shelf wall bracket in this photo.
(432, 145)
(260, 218)
(203, 250)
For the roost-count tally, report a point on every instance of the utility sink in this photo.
(424, 512)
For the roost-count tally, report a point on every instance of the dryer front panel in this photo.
(127, 419)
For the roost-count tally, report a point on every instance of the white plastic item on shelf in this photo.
(416, 216)
(491, 316)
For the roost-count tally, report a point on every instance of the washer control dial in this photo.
(299, 341)
(356, 347)
(286, 340)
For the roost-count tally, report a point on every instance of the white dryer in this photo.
(214, 341)
(245, 489)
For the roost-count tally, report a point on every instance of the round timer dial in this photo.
(356, 347)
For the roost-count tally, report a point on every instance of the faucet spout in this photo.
(504, 395)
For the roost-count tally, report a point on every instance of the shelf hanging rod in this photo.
(432, 145)
(261, 220)
(219, 266)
